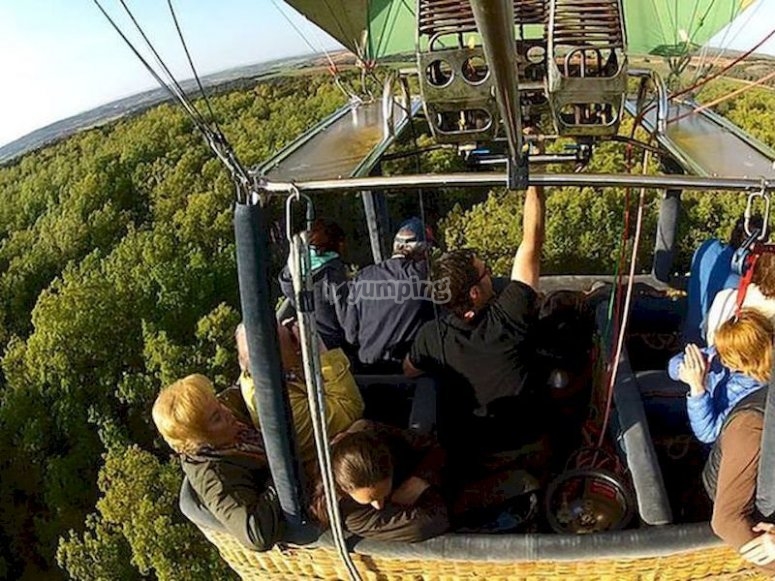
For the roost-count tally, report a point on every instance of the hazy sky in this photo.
(61, 57)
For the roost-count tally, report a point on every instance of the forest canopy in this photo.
(118, 275)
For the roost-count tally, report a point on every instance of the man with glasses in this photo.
(491, 393)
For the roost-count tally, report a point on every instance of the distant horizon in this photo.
(67, 60)
(151, 89)
(135, 102)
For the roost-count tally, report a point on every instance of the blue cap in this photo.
(410, 231)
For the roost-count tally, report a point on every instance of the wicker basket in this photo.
(320, 563)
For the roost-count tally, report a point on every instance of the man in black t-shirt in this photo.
(482, 352)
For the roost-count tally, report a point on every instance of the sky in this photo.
(61, 57)
(749, 28)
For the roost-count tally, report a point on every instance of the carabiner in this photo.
(297, 196)
(765, 195)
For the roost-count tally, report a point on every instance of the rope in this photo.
(723, 98)
(313, 377)
(626, 312)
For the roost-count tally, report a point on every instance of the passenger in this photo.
(344, 404)
(389, 302)
(491, 392)
(327, 242)
(388, 484)
(717, 384)
(760, 295)
(730, 477)
(711, 272)
(223, 457)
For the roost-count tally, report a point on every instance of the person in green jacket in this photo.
(223, 456)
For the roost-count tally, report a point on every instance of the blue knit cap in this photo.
(411, 231)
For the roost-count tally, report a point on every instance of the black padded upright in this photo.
(272, 404)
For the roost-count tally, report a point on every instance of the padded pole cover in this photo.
(765, 480)
(274, 411)
(667, 226)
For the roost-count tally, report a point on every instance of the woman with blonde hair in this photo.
(222, 455)
(720, 376)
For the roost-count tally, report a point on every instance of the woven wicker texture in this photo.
(316, 564)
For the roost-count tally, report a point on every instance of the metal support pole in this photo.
(667, 227)
(495, 21)
(271, 397)
(372, 222)
(410, 183)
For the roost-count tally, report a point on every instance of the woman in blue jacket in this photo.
(719, 377)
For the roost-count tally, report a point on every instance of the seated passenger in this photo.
(711, 272)
(326, 239)
(759, 295)
(492, 394)
(730, 478)
(717, 384)
(223, 457)
(389, 302)
(390, 486)
(344, 404)
(387, 482)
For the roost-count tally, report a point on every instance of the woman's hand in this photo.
(409, 491)
(761, 550)
(693, 369)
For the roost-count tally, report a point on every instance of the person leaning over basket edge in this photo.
(223, 457)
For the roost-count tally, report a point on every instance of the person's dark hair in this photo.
(764, 274)
(326, 235)
(358, 460)
(456, 267)
(738, 235)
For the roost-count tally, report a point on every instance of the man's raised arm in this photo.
(526, 267)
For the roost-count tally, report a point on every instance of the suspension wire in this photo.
(215, 140)
(737, 60)
(701, 83)
(723, 98)
(698, 73)
(335, 19)
(332, 66)
(182, 95)
(725, 44)
(301, 34)
(694, 31)
(193, 69)
(691, 29)
(150, 69)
